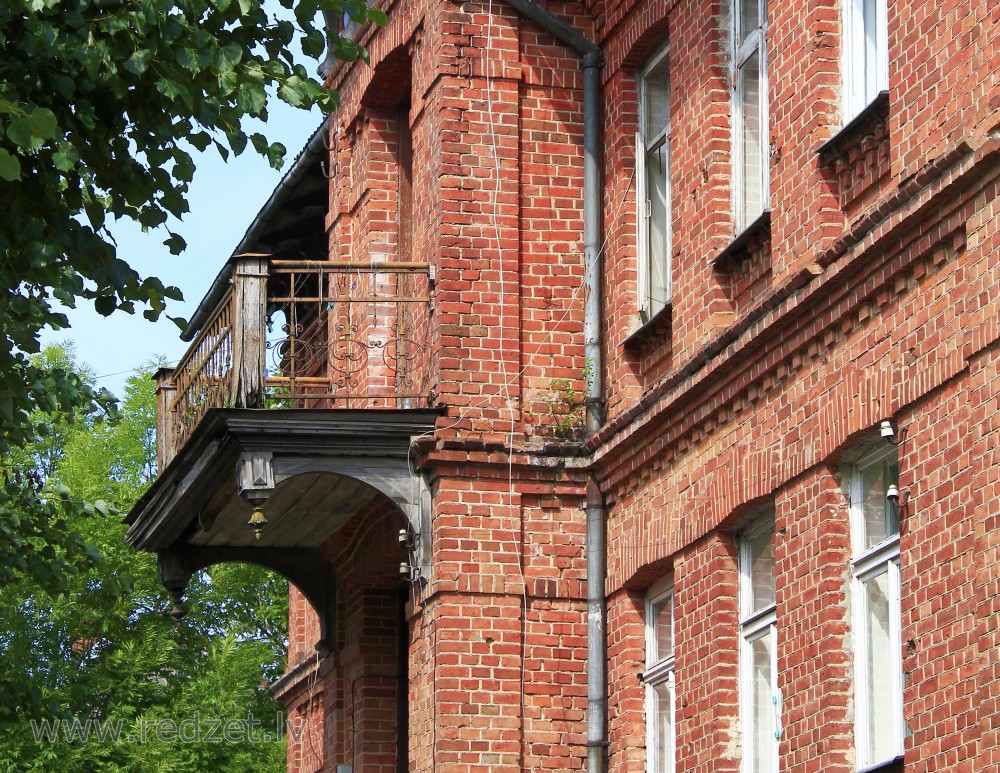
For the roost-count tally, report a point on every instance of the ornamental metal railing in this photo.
(347, 335)
(200, 380)
(304, 334)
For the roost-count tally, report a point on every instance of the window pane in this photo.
(657, 94)
(657, 169)
(761, 571)
(663, 754)
(881, 519)
(749, 18)
(873, 487)
(763, 704)
(749, 81)
(871, 49)
(663, 632)
(880, 666)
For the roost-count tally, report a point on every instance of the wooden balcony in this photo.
(303, 334)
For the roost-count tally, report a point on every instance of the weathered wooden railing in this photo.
(303, 334)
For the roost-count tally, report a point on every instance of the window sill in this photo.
(895, 765)
(650, 328)
(753, 232)
(877, 112)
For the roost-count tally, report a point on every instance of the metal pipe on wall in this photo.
(593, 159)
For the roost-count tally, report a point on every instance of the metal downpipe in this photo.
(593, 160)
(597, 642)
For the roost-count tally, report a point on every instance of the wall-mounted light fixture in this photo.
(257, 521)
(890, 435)
(897, 498)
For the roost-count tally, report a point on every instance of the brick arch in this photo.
(643, 30)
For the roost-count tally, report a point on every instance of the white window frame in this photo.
(868, 563)
(756, 41)
(659, 670)
(753, 626)
(649, 306)
(861, 86)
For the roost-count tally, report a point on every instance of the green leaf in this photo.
(138, 63)
(251, 98)
(313, 44)
(276, 155)
(65, 157)
(237, 141)
(200, 140)
(10, 166)
(43, 123)
(377, 15)
(151, 217)
(259, 142)
(231, 55)
(294, 91)
(228, 81)
(175, 244)
(19, 132)
(188, 59)
(183, 167)
(104, 305)
(96, 214)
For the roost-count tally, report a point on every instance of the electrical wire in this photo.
(516, 525)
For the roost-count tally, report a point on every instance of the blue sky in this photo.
(224, 198)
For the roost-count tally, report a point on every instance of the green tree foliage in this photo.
(104, 649)
(101, 105)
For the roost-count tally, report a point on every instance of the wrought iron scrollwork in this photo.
(353, 335)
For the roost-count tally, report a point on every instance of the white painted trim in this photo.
(643, 145)
(755, 625)
(865, 566)
(853, 57)
(756, 40)
(658, 672)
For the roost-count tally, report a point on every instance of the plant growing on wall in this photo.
(564, 414)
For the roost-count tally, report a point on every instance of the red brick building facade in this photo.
(797, 450)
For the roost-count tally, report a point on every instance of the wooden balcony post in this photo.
(166, 390)
(249, 332)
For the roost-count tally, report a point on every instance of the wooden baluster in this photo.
(166, 390)
(249, 332)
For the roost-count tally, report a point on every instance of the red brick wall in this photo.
(938, 574)
(705, 584)
(815, 667)
(303, 628)
(305, 749)
(877, 299)
(984, 458)
(499, 678)
(874, 296)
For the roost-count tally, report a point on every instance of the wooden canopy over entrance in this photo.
(310, 471)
